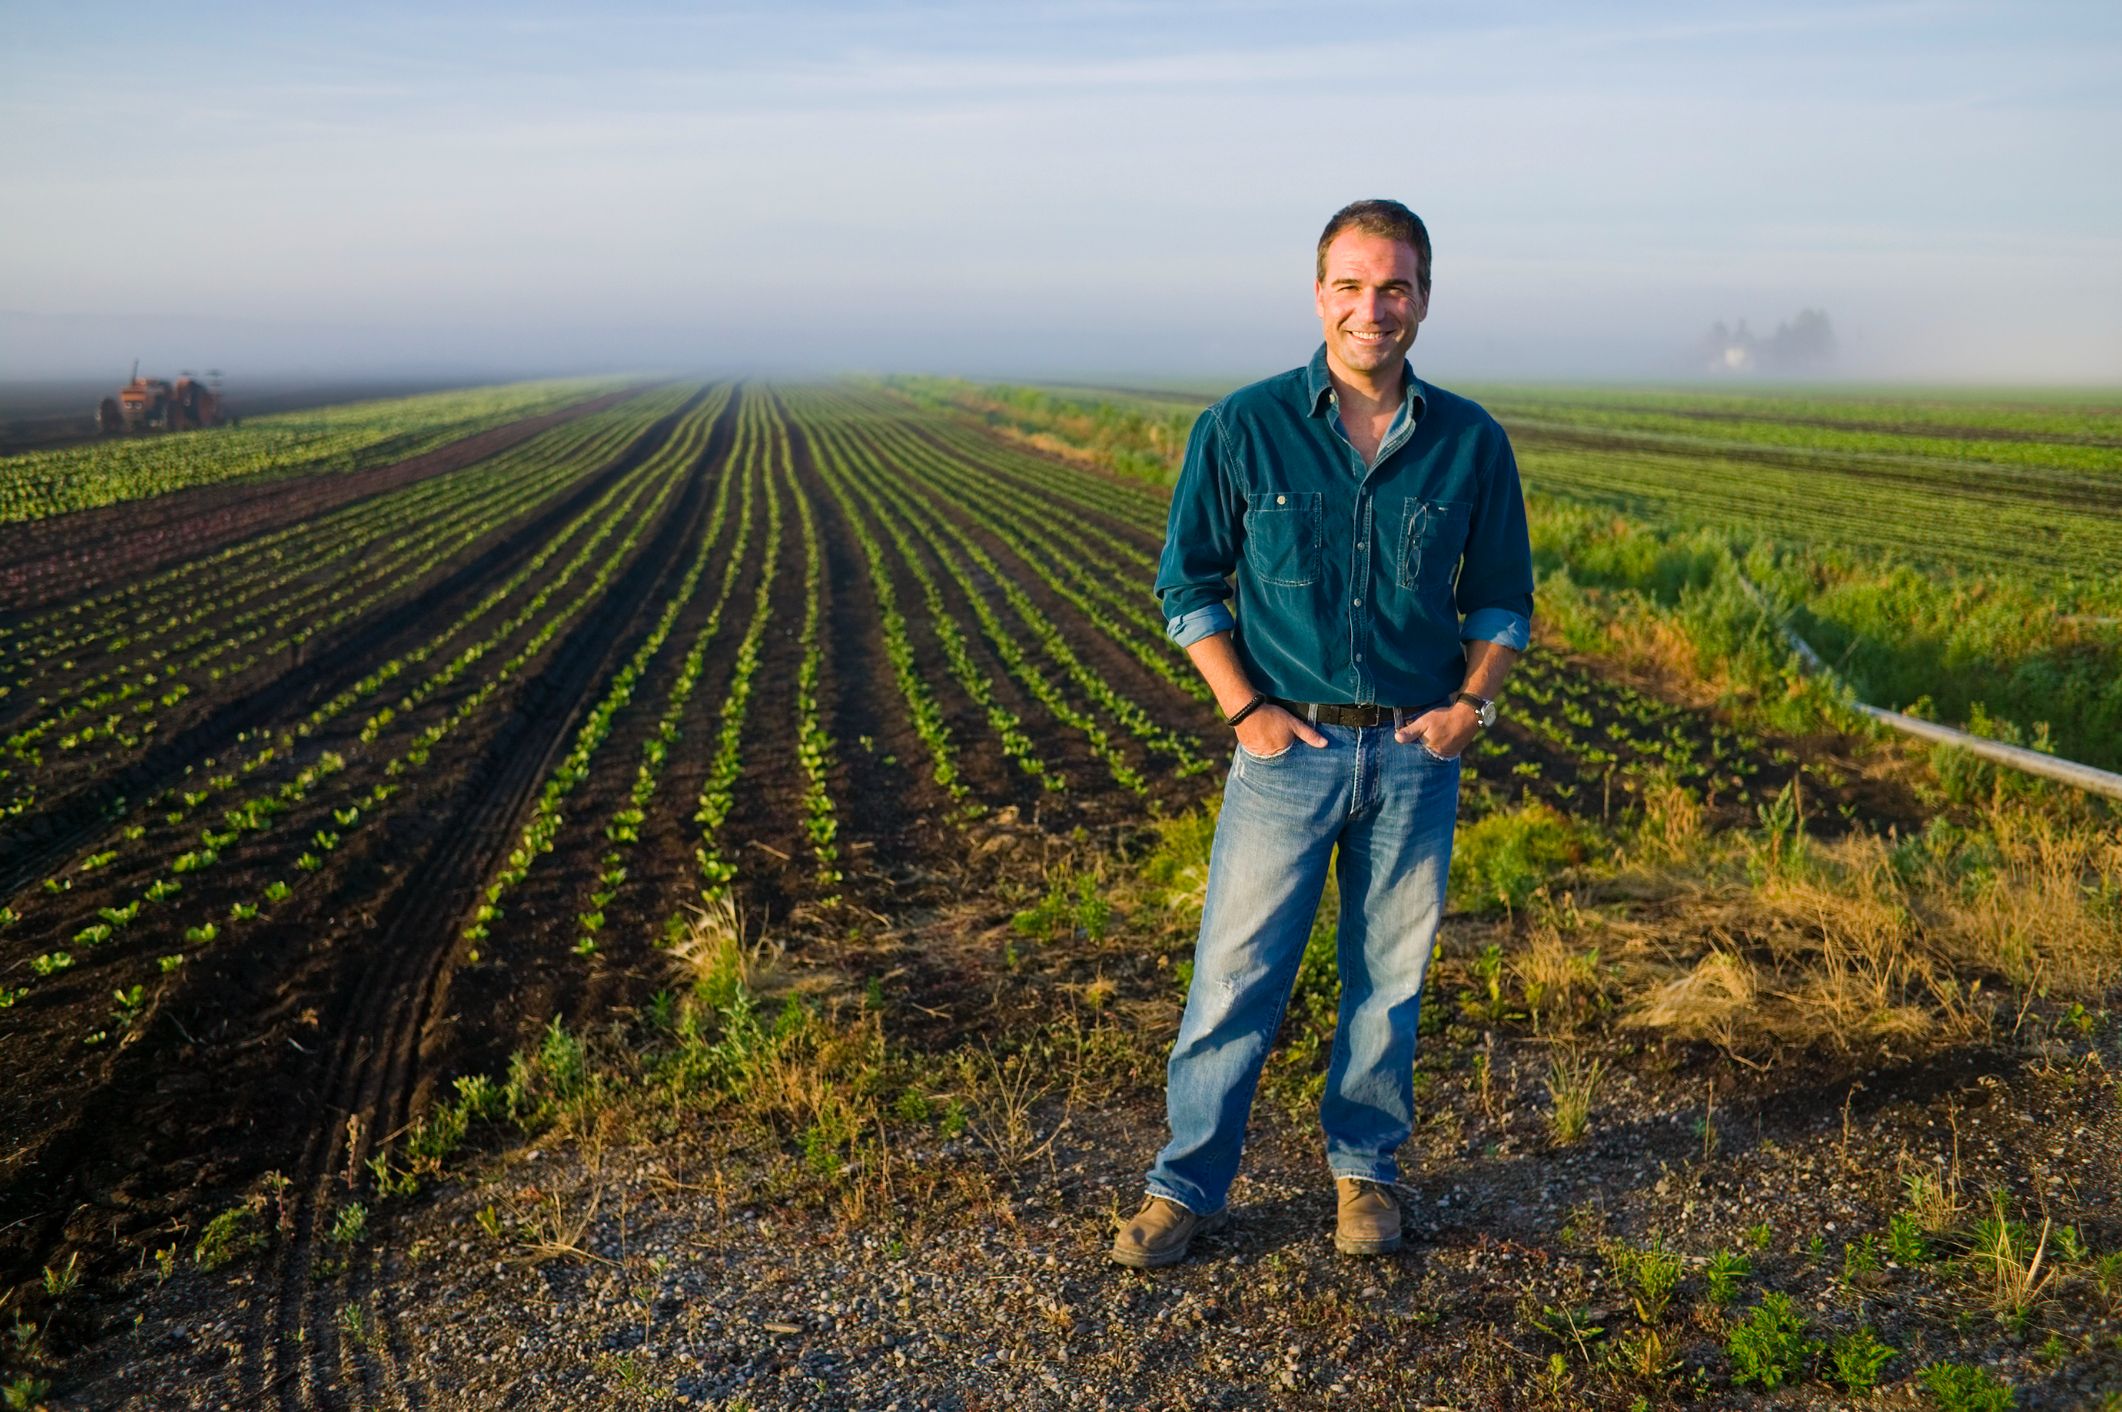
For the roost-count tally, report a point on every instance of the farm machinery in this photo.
(156, 404)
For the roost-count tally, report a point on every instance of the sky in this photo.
(1094, 191)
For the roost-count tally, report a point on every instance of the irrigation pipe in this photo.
(2018, 757)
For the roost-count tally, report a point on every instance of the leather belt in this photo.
(1336, 713)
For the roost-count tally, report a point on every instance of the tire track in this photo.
(33, 846)
(373, 1072)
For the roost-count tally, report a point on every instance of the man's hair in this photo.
(1380, 217)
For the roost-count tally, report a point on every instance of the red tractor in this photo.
(153, 404)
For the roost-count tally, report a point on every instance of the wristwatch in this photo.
(1484, 709)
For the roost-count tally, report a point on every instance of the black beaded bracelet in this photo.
(1246, 710)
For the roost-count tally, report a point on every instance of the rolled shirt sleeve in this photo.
(1189, 628)
(1201, 538)
(1497, 625)
(1495, 591)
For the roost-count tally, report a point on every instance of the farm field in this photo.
(334, 786)
(1953, 553)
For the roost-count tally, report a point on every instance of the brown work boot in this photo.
(1368, 1219)
(1160, 1232)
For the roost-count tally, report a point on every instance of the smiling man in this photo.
(1371, 529)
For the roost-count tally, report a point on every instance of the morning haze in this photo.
(1125, 189)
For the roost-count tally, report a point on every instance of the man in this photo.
(1374, 533)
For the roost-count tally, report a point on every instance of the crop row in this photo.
(197, 592)
(434, 532)
(622, 829)
(622, 511)
(867, 475)
(39, 485)
(712, 857)
(814, 742)
(1111, 595)
(548, 815)
(1970, 525)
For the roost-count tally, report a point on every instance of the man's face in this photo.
(1369, 303)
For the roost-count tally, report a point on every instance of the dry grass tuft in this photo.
(1655, 646)
(1710, 1001)
(1827, 954)
(2038, 916)
(1669, 829)
(1559, 984)
(1571, 1083)
(714, 954)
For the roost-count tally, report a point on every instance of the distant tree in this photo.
(1804, 344)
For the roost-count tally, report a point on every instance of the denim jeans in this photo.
(1389, 808)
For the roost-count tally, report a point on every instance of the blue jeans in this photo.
(1390, 809)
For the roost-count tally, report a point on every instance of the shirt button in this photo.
(1282, 500)
(1359, 656)
(1358, 602)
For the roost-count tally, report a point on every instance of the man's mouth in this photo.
(1367, 335)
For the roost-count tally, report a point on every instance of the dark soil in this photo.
(706, 1268)
(317, 1039)
(45, 558)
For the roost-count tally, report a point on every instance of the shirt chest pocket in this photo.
(1432, 539)
(1285, 531)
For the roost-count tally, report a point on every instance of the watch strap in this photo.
(1484, 708)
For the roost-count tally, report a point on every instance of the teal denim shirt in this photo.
(1353, 583)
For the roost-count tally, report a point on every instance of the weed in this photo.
(1724, 1271)
(349, 1224)
(2107, 1276)
(1860, 1261)
(1570, 1083)
(62, 1282)
(1961, 1387)
(1770, 1346)
(23, 1393)
(1006, 1092)
(2011, 1261)
(1904, 1239)
(955, 1119)
(1934, 1203)
(229, 1236)
(1781, 850)
(1071, 907)
(1652, 1274)
(1486, 1002)
(1857, 1358)
(1647, 1354)
(1571, 1327)
(1500, 859)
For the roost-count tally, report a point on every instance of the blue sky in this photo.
(1052, 190)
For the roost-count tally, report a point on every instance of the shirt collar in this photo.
(1319, 385)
